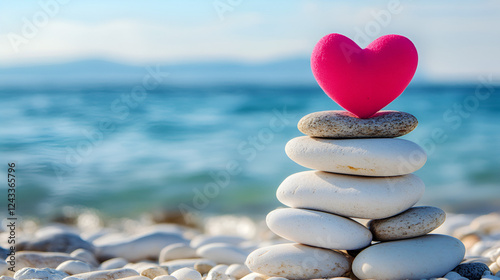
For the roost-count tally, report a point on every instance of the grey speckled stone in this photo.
(416, 221)
(473, 271)
(343, 124)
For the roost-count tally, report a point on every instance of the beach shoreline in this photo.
(232, 238)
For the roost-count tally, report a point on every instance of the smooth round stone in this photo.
(428, 256)
(74, 267)
(351, 196)
(367, 157)
(186, 274)
(416, 221)
(318, 229)
(222, 253)
(297, 261)
(29, 273)
(343, 124)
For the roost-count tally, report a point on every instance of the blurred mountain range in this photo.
(295, 71)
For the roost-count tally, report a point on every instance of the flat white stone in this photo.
(222, 253)
(177, 251)
(218, 272)
(165, 277)
(178, 264)
(140, 247)
(255, 276)
(74, 267)
(318, 229)
(237, 271)
(202, 240)
(367, 157)
(351, 196)
(428, 256)
(414, 222)
(39, 273)
(113, 263)
(297, 261)
(107, 274)
(186, 274)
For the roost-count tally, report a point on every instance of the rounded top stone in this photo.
(343, 124)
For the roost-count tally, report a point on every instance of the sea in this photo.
(123, 150)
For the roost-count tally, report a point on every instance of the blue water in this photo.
(86, 146)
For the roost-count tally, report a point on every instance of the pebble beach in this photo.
(212, 248)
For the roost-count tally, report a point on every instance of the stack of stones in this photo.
(362, 171)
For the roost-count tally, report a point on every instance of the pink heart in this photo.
(363, 81)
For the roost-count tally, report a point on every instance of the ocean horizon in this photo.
(219, 149)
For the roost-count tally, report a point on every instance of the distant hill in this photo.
(284, 72)
(294, 71)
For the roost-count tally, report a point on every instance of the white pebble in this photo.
(202, 240)
(218, 272)
(237, 271)
(154, 271)
(74, 267)
(186, 274)
(135, 278)
(494, 268)
(6, 278)
(108, 274)
(178, 264)
(165, 277)
(282, 278)
(39, 273)
(177, 251)
(490, 277)
(255, 276)
(222, 253)
(113, 263)
(452, 275)
(86, 256)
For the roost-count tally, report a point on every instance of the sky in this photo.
(456, 40)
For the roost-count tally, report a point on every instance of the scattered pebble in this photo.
(203, 267)
(86, 256)
(109, 274)
(452, 275)
(186, 274)
(40, 259)
(255, 276)
(178, 264)
(222, 253)
(165, 277)
(237, 271)
(74, 267)
(113, 263)
(177, 251)
(218, 272)
(136, 248)
(154, 271)
(39, 273)
(202, 240)
(65, 242)
(472, 271)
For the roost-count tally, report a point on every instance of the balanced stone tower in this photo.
(361, 170)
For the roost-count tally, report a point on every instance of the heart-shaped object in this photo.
(363, 81)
